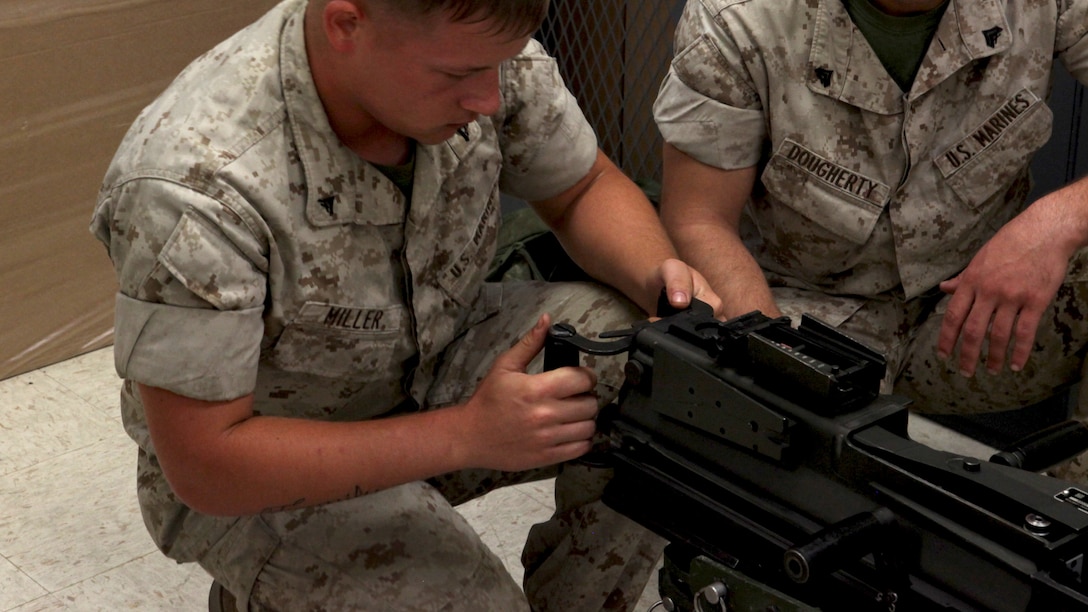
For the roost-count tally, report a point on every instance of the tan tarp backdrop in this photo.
(73, 76)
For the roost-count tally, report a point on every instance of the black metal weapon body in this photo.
(767, 456)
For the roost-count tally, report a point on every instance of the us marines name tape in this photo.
(987, 133)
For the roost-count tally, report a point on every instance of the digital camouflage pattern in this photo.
(865, 189)
(418, 553)
(867, 196)
(255, 253)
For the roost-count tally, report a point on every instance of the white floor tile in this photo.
(41, 419)
(72, 517)
(48, 603)
(503, 518)
(542, 490)
(92, 378)
(16, 588)
(149, 584)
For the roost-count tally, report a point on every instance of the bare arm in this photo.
(609, 228)
(222, 459)
(1008, 285)
(701, 209)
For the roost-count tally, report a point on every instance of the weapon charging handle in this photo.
(563, 346)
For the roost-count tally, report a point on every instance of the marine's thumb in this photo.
(529, 346)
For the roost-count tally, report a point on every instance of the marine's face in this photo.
(426, 80)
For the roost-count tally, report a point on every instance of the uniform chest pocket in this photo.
(357, 344)
(807, 189)
(471, 260)
(996, 151)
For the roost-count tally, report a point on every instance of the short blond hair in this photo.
(515, 17)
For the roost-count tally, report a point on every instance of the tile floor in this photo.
(71, 537)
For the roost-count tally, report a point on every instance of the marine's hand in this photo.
(1001, 297)
(518, 421)
(681, 283)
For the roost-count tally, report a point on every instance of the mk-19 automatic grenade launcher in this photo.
(785, 481)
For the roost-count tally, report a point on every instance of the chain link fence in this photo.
(613, 55)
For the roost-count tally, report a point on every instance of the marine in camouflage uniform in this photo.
(800, 177)
(260, 257)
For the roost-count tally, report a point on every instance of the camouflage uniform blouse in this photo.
(864, 189)
(256, 253)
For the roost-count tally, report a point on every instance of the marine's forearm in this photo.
(220, 459)
(629, 251)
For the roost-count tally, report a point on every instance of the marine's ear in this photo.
(340, 21)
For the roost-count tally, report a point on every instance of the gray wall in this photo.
(1064, 157)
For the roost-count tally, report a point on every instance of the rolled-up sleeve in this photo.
(707, 105)
(714, 133)
(189, 314)
(200, 353)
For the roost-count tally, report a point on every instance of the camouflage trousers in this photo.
(906, 332)
(407, 548)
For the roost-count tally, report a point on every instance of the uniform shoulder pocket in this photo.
(211, 266)
(702, 67)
